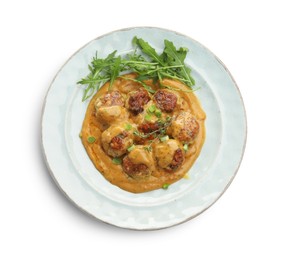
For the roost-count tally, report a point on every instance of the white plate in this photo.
(212, 173)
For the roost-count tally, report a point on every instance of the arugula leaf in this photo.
(147, 87)
(115, 69)
(178, 57)
(149, 50)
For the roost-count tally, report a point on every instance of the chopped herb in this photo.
(168, 118)
(149, 112)
(148, 148)
(148, 117)
(157, 133)
(116, 160)
(186, 147)
(158, 113)
(131, 148)
(91, 139)
(137, 133)
(128, 127)
(164, 138)
(152, 108)
(165, 186)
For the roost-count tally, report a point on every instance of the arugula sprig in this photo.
(145, 61)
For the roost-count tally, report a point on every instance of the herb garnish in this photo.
(116, 160)
(91, 139)
(165, 186)
(131, 148)
(159, 134)
(128, 127)
(186, 147)
(161, 130)
(145, 61)
(164, 138)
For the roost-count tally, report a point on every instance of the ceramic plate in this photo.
(213, 171)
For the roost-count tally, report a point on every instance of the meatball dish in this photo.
(143, 137)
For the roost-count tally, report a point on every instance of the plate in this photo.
(207, 180)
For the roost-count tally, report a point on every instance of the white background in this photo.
(250, 221)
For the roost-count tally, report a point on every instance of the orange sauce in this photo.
(93, 126)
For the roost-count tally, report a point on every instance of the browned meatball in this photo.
(115, 141)
(185, 127)
(113, 98)
(109, 108)
(178, 159)
(169, 155)
(137, 100)
(148, 127)
(165, 100)
(134, 170)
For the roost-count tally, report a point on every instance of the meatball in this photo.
(137, 100)
(113, 98)
(110, 108)
(178, 159)
(138, 163)
(169, 155)
(115, 141)
(134, 170)
(165, 100)
(148, 127)
(185, 128)
(149, 131)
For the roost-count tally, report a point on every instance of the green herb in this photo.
(164, 138)
(152, 108)
(186, 147)
(116, 160)
(148, 148)
(148, 50)
(131, 148)
(100, 72)
(115, 69)
(91, 139)
(178, 58)
(128, 127)
(158, 113)
(145, 61)
(163, 127)
(139, 134)
(165, 186)
(148, 117)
